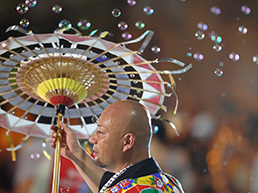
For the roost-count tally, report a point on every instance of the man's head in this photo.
(123, 135)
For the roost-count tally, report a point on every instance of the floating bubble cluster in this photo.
(84, 24)
(24, 22)
(127, 36)
(246, 9)
(31, 3)
(234, 56)
(199, 35)
(65, 24)
(215, 10)
(116, 12)
(155, 49)
(197, 56)
(217, 47)
(122, 25)
(131, 2)
(218, 72)
(139, 25)
(22, 8)
(242, 29)
(148, 10)
(202, 26)
(57, 8)
(255, 58)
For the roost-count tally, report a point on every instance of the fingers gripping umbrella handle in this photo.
(55, 182)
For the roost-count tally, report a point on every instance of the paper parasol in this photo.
(75, 77)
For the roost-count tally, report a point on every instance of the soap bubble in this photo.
(199, 35)
(24, 22)
(234, 56)
(202, 26)
(246, 9)
(255, 58)
(218, 72)
(116, 12)
(148, 10)
(131, 2)
(122, 25)
(217, 47)
(57, 8)
(35, 156)
(215, 10)
(22, 8)
(31, 3)
(65, 24)
(155, 49)
(127, 36)
(139, 24)
(215, 38)
(84, 24)
(198, 56)
(242, 29)
(189, 54)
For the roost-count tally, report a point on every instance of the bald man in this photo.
(121, 148)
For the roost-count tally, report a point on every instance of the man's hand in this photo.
(70, 147)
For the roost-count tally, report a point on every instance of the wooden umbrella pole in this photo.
(56, 172)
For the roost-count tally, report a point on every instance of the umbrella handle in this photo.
(56, 172)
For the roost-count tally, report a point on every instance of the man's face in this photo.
(107, 141)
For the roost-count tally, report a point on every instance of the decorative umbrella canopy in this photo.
(86, 74)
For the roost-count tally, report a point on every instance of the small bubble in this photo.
(135, 96)
(138, 91)
(215, 10)
(31, 3)
(245, 9)
(24, 22)
(255, 58)
(217, 47)
(225, 163)
(132, 75)
(127, 36)
(22, 8)
(202, 26)
(242, 29)
(131, 2)
(221, 63)
(135, 81)
(84, 24)
(155, 49)
(223, 94)
(148, 10)
(199, 35)
(139, 24)
(57, 8)
(65, 24)
(122, 25)
(155, 129)
(116, 12)
(204, 170)
(189, 54)
(218, 72)
(234, 56)
(44, 144)
(198, 56)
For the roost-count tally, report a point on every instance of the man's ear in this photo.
(129, 140)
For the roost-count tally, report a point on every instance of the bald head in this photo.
(131, 117)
